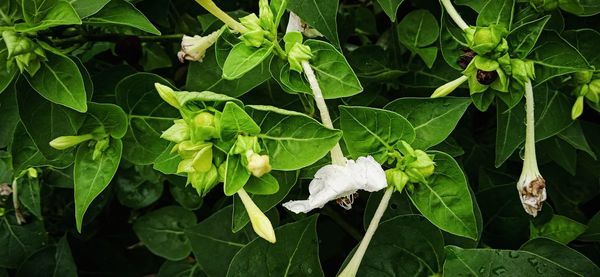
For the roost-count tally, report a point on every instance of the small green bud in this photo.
(424, 163)
(196, 157)
(258, 165)
(298, 54)
(177, 133)
(245, 143)
(27, 55)
(577, 109)
(544, 5)
(65, 142)
(2, 212)
(415, 176)
(203, 182)
(449, 87)
(167, 94)
(594, 91)
(396, 178)
(204, 127)
(486, 39)
(582, 77)
(204, 119)
(260, 222)
(255, 35)
(522, 71)
(502, 48)
(100, 147)
(32, 173)
(266, 15)
(405, 149)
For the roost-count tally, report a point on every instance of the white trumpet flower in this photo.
(194, 48)
(333, 182)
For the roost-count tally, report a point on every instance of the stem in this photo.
(212, 8)
(337, 157)
(454, 14)
(530, 162)
(15, 198)
(352, 267)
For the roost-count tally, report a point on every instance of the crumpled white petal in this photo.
(334, 181)
(194, 48)
(532, 192)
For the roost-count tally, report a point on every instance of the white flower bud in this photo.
(194, 48)
(260, 222)
(258, 164)
(65, 142)
(449, 87)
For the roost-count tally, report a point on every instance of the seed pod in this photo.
(486, 77)
(466, 57)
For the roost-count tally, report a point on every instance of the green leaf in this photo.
(17, 242)
(29, 196)
(390, 7)
(236, 174)
(445, 200)
(265, 185)
(320, 15)
(35, 10)
(121, 12)
(560, 228)
(109, 118)
(286, 180)
(592, 233)
(45, 121)
(335, 76)
(167, 161)
(10, 114)
(61, 13)
(185, 195)
(581, 7)
(428, 55)
(292, 148)
(575, 137)
(560, 152)
(554, 57)
(371, 131)
(244, 58)
(55, 261)
(213, 245)
(552, 115)
(295, 253)
(497, 13)
(85, 8)
(407, 238)
(60, 81)
(148, 116)
(418, 29)
(138, 187)
(562, 255)
(452, 41)
(234, 120)
(91, 176)
(433, 118)
(580, 39)
(25, 153)
(522, 39)
(208, 75)
(489, 262)
(6, 75)
(162, 231)
(183, 268)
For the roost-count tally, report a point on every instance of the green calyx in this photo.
(203, 126)
(255, 35)
(544, 5)
(485, 40)
(412, 166)
(203, 182)
(27, 54)
(296, 52)
(245, 143)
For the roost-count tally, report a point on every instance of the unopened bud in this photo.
(203, 182)
(594, 91)
(298, 54)
(577, 109)
(486, 39)
(167, 94)
(449, 87)
(396, 178)
(260, 222)
(100, 147)
(65, 142)
(194, 48)
(177, 133)
(583, 77)
(258, 164)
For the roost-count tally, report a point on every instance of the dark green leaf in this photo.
(183, 268)
(418, 29)
(320, 15)
(85, 8)
(54, 261)
(60, 13)
(29, 196)
(560, 228)
(390, 7)
(497, 13)
(554, 56)
(234, 120)
(562, 255)
(522, 39)
(121, 12)
(10, 114)
(236, 174)
(17, 242)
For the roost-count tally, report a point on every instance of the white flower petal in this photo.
(334, 181)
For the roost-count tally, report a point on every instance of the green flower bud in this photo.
(255, 35)
(196, 157)
(203, 127)
(577, 109)
(415, 176)
(245, 143)
(266, 15)
(449, 87)
(177, 133)
(522, 71)
(298, 54)
(32, 173)
(486, 39)
(100, 147)
(260, 222)
(582, 77)
(396, 178)
(27, 55)
(593, 93)
(258, 165)
(167, 94)
(502, 48)
(424, 163)
(203, 182)
(222, 171)
(2, 212)
(64, 142)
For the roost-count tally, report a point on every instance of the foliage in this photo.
(162, 137)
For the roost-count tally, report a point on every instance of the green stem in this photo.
(212, 8)
(454, 14)
(352, 266)
(530, 159)
(279, 50)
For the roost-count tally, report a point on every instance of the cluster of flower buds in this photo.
(259, 28)
(27, 55)
(412, 167)
(587, 87)
(249, 148)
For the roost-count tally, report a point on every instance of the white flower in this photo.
(532, 191)
(334, 181)
(258, 164)
(194, 48)
(5, 190)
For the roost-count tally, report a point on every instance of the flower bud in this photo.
(424, 163)
(522, 71)
(26, 53)
(577, 109)
(5, 190)
(298, 54)
(266, 15)
(203, 127)
(2, 211)
(196, 157)
(396, 178)
(64, 142)
(167, 94)
(449, 87)
(177, 133)
(255, 35)
(32, 173)
(486, 39)
(204, 119)
(415, 176)
(260, 222)
(593, 93)
(258, 164)
(203, 182)
(583, 77)
(194, 48)
(544, 5)
(243, 144)
(100, 147)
